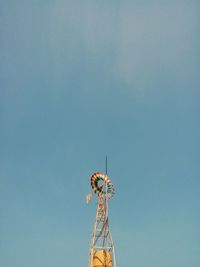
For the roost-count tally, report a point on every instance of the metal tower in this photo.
(102, 252)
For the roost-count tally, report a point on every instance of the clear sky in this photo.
(82, 79)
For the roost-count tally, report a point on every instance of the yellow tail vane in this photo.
(88, 198)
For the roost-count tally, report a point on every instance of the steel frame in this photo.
(101, 238)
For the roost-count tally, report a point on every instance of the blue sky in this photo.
(83, 79)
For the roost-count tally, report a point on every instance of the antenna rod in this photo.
(106, 165)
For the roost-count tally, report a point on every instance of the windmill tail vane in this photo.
(88, 197)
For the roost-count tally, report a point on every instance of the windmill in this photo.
(102, 252)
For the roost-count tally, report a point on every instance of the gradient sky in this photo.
(82, 79)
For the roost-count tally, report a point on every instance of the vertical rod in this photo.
(106, 165)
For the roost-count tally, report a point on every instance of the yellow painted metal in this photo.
(102, 258)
